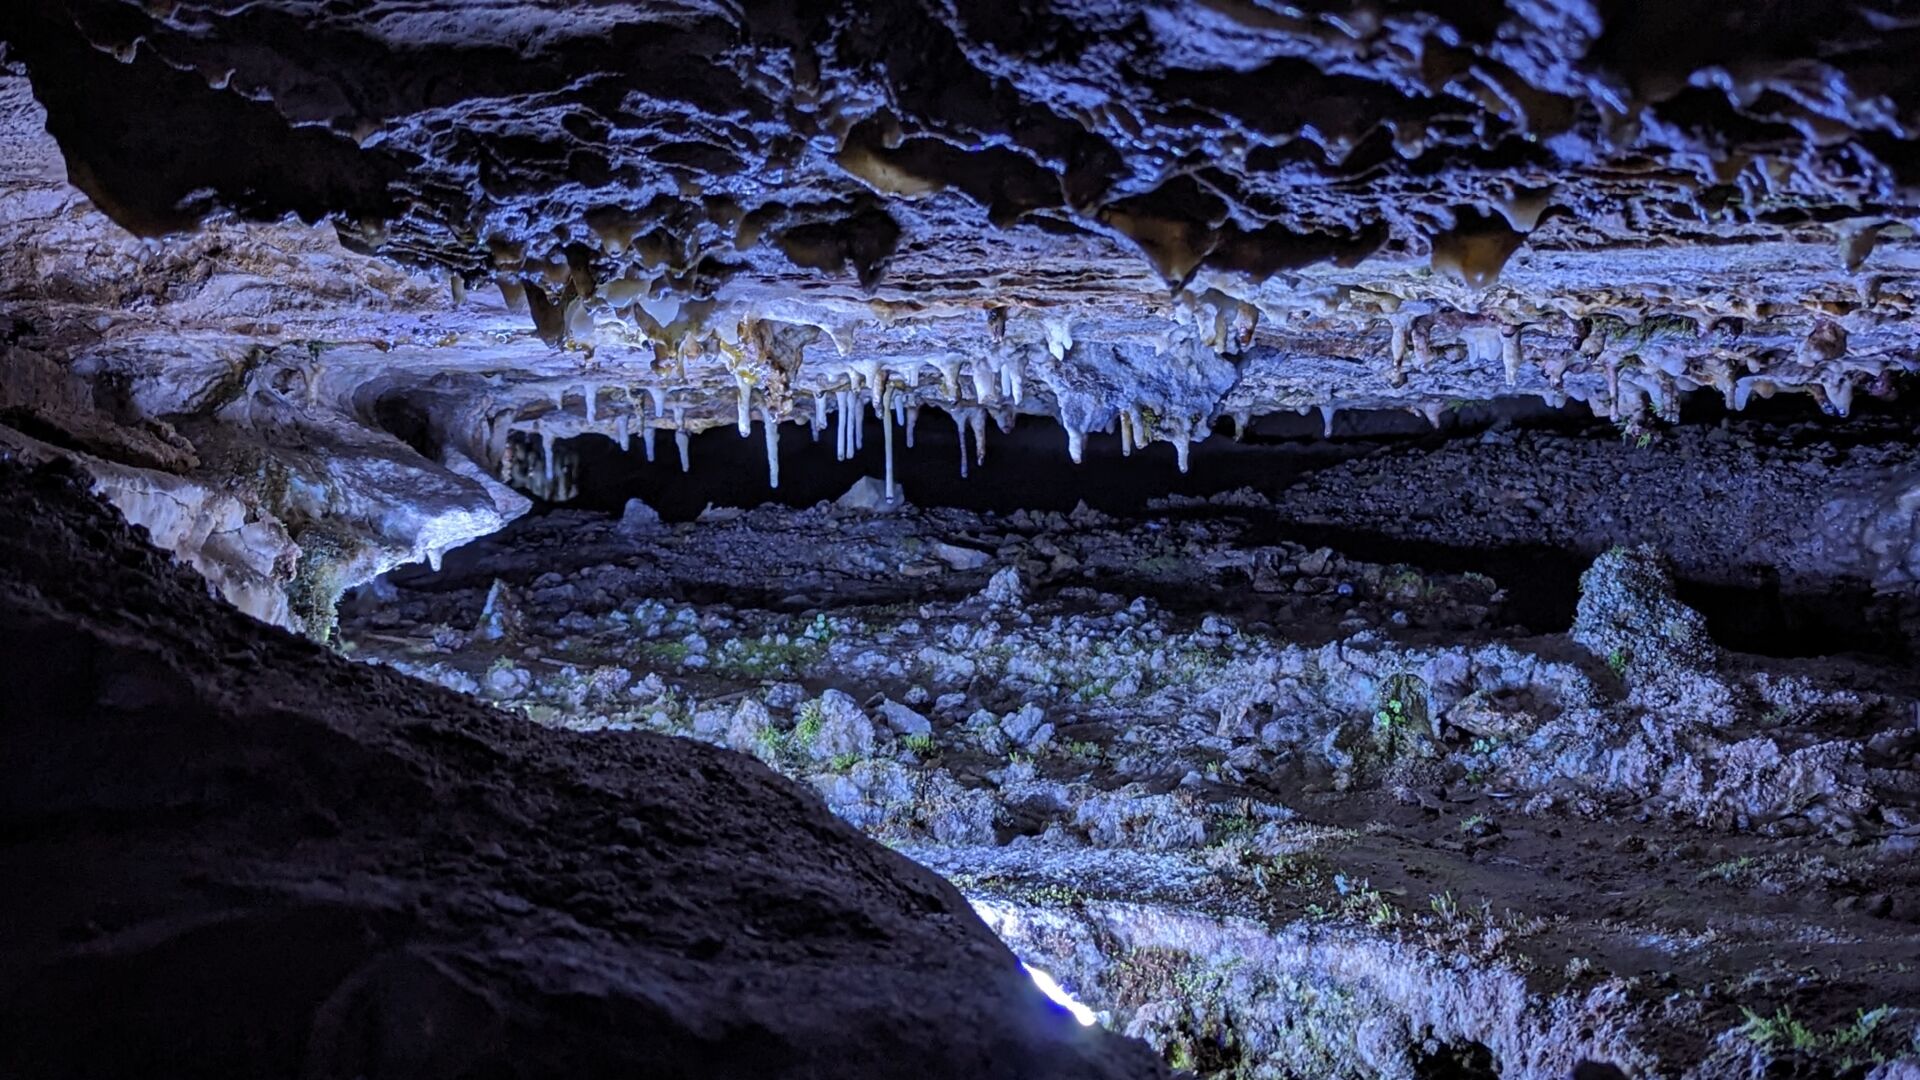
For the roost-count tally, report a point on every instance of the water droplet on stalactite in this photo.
(771, 430)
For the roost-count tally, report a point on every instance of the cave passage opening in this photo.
(1028, 469)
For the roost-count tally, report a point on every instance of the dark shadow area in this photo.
(1028, 469)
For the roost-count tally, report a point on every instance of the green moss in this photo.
(313, 596)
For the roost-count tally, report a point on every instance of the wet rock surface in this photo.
(232, 853)
(1276, 810)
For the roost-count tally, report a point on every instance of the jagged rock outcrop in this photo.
(231, 853)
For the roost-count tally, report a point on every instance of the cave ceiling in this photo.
(1143, 219)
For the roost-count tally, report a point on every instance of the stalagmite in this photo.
(771, 430)
(885, 405)
(680, 438)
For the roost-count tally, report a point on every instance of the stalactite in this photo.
(981, 373)
(1240, 425)
(646, 441)
(1327, 413)
(1126, 434)
(658, 396)
(680, 438)
(771, 430)
(977, 419)
(743, 405)
(913, 421)
(1076, 442)
(590, 396)
(819, 414)
(886, 431)
(960, 429)
(1510, 355)
(950, 377)
(623, 433)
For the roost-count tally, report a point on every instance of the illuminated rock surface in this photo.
(1364, 329)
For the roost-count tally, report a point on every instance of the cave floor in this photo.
(1276, 810)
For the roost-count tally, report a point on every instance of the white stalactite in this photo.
(1327, 413)
(1126, 433)
(771, 430)
(983, 382)
(977, 419)
(646, 441)
(1076, 443)
(623, 433)
(819, 414)
(1510, 356)
(960, 428)
(590, 396)
(658, 396)
(680, 438)
(913, 421)
(886, 433)
(743, 406)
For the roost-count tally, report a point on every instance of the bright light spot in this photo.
(1060, 997)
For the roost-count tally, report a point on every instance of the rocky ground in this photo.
(230, 853)
(1276, 810)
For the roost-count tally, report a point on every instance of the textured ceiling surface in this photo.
(1137, 218)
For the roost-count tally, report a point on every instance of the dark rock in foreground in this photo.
(232, 853)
